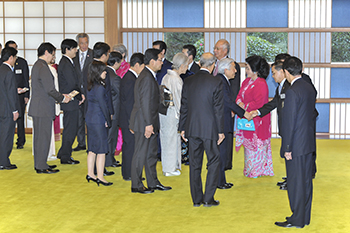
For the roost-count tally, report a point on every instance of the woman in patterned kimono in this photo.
(257, 144)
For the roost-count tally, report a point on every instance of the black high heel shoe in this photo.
(88, 178)
(101, 182)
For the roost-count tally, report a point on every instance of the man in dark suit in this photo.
(201, 118)
(9, 106)
(227, 71)
(277, 102)
(42, 107)
(113, 63)
(127, 101)
(221, 51)
(144, 122)
(22, 77)
(190, 51)
(81, 60)
(68, 81)
(161, 45)
(298, 143)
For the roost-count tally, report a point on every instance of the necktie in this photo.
(216, 68)
(82, 60)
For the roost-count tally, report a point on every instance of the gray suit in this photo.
(42, 110)
(8, 104)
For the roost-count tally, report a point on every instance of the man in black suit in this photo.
(277, 102)
(82, 59)
(227, 71)
(113, 63)
(22, 77)
(68, 81)
(144, 122)
(201, 118)
(127, 101)
(42, 107)
(161, 45)
(298, 143)
(190, 51)
(221, 51)
(9, 106)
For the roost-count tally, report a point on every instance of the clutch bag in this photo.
(244, 124)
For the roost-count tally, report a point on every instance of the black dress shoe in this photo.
(284, 187)
(142, 190)
(70, 161)
(47, 171)
(197, 204)
(127, 179)
(161, 187)
(9, 167)
(19, 146)
(78, 148)
(313, 176)
(284, 178)
(52, 166)
(229, 184)
(286, 224)
(115, 165)
(224, 186)
(108, 173)
(280, 183)
(211, 203)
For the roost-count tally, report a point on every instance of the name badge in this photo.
(18, 71)
(283, 96)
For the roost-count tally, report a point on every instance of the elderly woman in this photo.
(169, 136)
(257, 144)
(121, 71)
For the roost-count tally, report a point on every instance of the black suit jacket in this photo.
(163, 71)
(115, 91)
(298, 134)
(236, 82)
(127, 85)
(146, 103)
(229, 105)
(202, 106)
(68, 81)
(195, 68)
(8, 92)
(22, 75)
(89, 58)
(276, 102)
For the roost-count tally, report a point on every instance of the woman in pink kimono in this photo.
(257, 144)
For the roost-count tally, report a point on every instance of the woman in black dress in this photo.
(98, 119)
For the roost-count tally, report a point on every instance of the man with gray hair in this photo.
(227, 71)
(82, 59)
(221, 50)
(201, 118)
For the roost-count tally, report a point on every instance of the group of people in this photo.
(156, 103)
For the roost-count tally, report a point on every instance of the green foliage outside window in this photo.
(267, 44)
(175, 41)
(341, 47)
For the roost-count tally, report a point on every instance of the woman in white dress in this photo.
(170, 138)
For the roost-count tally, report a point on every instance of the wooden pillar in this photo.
(113, 16)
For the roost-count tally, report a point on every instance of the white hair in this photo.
(225, 63)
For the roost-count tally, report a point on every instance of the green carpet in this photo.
(65, 202)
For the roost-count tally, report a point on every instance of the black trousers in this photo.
(21, 136)
(70, 129)
(127, 152)
(145, 154)
(42, 127)
(7, 132)
(81, 137)
(196, 148)
(299, 173)
(225, 151)
(112, 143)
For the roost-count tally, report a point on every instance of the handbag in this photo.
(244, 124)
